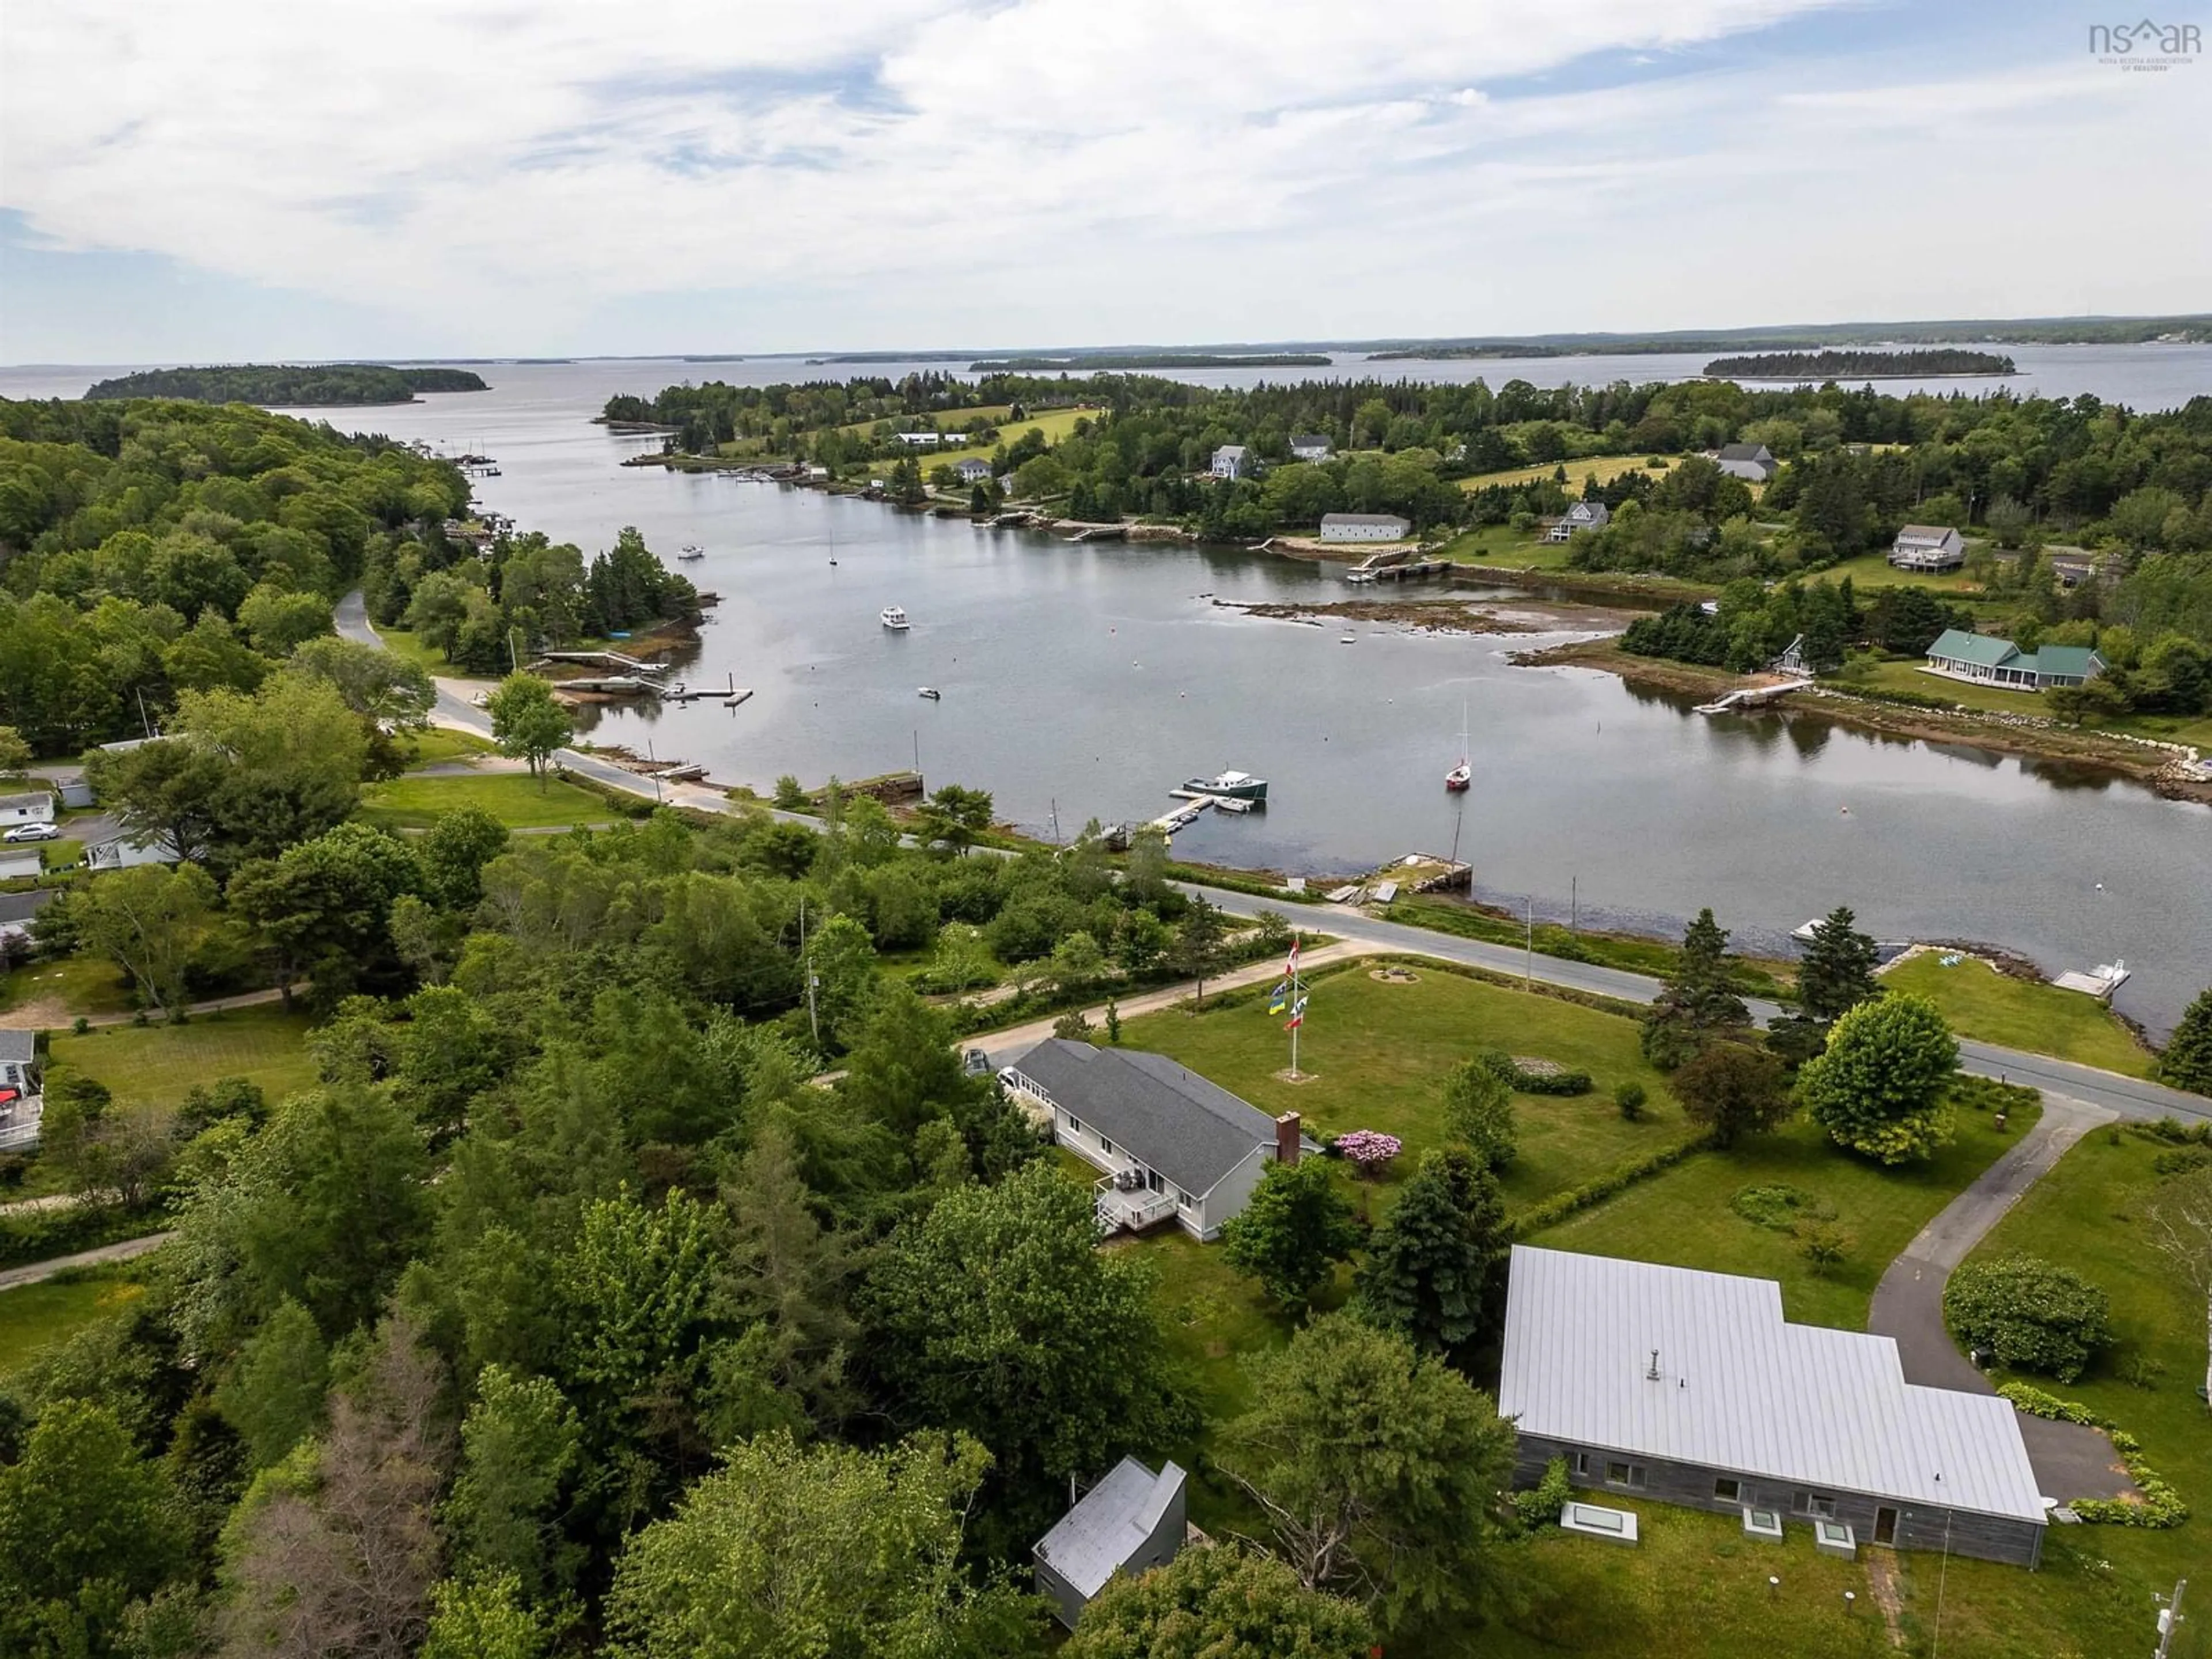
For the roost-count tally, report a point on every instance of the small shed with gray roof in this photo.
(1691, 1387)
(1131, 1522)
(1168, 1143)
(26, 807)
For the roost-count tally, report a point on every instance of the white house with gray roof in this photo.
(1753, 463)
(1364, 528)
(1691, 1387)
(1928, 547)
(27, 807)
(1231, 461)
(1169, 1144)
(1131, 1522)
(1309, 446)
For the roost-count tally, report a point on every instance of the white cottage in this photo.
(1169, 1144)
(1231, 461)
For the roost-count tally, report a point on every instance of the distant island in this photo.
(1090, 361)
(1448, 353)
(1857, 365)
(311, 385)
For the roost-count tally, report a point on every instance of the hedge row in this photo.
(2162, 1506)
(1618, 1179)
(34, 1235)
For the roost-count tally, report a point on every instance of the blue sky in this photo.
(199, 181)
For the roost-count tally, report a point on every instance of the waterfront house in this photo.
(1231, 461)
(1928, 547)
(1690, 1387)
(1309, 446)
(1169, 1144)
(972, 471)
(1753, 463)
(28, 806)
(1988, 660)
(1131, 1522)
(1583, 515)
(1364, 528)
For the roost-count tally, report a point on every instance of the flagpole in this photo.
(1298, 1012)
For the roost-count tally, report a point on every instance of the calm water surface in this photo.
(1083, 682)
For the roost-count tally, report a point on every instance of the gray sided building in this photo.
(1131, 1522)
(1692, 1389)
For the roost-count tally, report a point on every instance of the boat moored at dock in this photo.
(1231, 786)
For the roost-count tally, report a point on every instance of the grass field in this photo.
(1502, 545)
(1378, 1053)
(440, 744)
(83, 984)
(2093, 1595)
(1912, 676)
(513, 797)
(1604, 468)
(424, 655)
(1980, 1002)
(1875, 570)
(35, 1316)
(151, 1065)
(1054, 423)
(1682, 1215)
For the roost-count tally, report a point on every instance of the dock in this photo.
(615, 685)
(603, 659)
(2099, 983)
(1414, 571)
(1752, 697)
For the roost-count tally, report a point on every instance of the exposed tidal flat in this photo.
(1086, 681)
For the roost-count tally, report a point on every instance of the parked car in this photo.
(34, 832)
(976, 1062)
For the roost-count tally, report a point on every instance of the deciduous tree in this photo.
(526, 721)
(1291, 1233)
(1478, 1110)
(1879, 1087)
(148, 920)
(1219, 1603)
(1377, 1467)
(1733, 1090)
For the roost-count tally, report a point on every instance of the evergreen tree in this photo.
(1698, 1000)
(1430, 1270)
(1837, 972)
(2187, 1061)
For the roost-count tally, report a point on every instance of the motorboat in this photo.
(895, 619)
(931, 692)
(1232, 786)
(692, 550)
(1347, 639)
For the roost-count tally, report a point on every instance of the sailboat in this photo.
(1462, 774)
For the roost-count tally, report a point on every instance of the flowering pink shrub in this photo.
(1369, 1149)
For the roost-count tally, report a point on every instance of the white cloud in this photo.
(886, 172)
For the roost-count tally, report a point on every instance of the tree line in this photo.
(299, 385)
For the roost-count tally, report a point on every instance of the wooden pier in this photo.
(603, 659)
(1414, 571)
(1752, 696)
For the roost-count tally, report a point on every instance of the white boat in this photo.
(895, 619)
(692, 550)
(931, 692)
(1347, 639)
(1462, 774)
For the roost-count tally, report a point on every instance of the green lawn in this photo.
(424, 655)
(515, 799)
(34, 1317)
(1502, 545)
(82, 984)
(440, 744)
(1912, 676)
(1378, 1054)
(2089, 1212)
(1054, 423)
(1980, 1002)
(1682, 1215)
(1875, 570)
(151, 1065)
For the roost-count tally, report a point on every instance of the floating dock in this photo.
(1752, 696)
(604, 659)
(2099, 983)
(1416, 571)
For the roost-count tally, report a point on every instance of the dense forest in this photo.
(566, 1314)
(150, 550)
(1095, 360)
(1837, 365)
(295, 386)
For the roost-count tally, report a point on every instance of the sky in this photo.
(198, 182)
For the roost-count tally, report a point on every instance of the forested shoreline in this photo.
(1837, 365)
(333, 386)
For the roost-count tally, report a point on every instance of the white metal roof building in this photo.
(1130, 1522)
(1711, 1398)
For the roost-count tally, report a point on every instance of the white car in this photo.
(34, 832)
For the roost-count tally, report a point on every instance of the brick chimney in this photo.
(1286, 1137)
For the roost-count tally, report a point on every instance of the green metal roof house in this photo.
(1988, 660)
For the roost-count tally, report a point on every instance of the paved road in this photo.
(37, 1271)
(2126, 1097)
(2070, 1461)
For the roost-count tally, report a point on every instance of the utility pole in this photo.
(1574, 905)
(1528, 957)
(2169, 1618)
